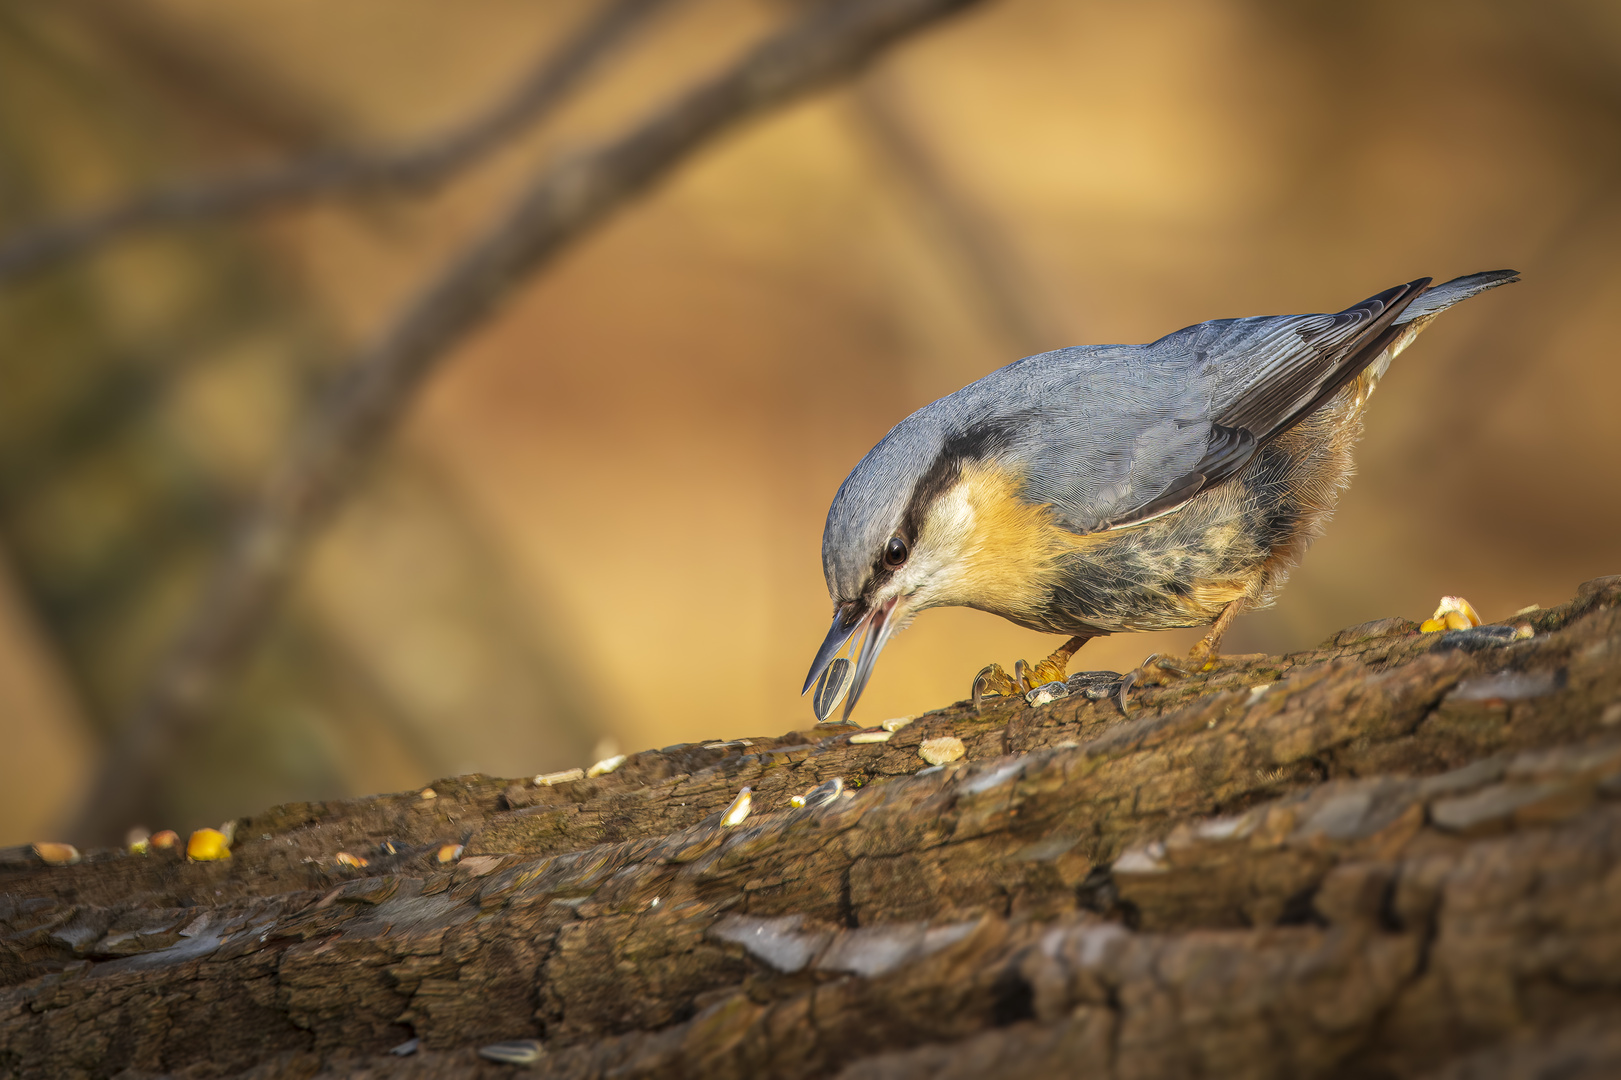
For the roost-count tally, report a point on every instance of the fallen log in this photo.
(1396, 854)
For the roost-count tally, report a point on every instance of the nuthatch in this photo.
(1105, 488)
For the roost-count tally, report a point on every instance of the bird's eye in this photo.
(895, 551)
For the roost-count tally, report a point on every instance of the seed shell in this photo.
(513, 1052)
(831, 688)
(940, 750)
(739, 809)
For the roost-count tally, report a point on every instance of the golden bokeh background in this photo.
(600, 527)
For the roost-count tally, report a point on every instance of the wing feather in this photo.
(1287, 371)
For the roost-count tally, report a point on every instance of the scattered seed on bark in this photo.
(739, 809)
(207, 845)
(513, 1052)
(57, 854)
(606, 765)
(940, 750)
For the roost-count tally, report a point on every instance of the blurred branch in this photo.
(418, 168)
(197, 69)
(992, 269)
(357, 416)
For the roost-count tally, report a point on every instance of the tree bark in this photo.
(1397, 854)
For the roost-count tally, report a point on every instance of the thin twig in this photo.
(979, 246)
(227, 87)
(418, 168)
(355, 419)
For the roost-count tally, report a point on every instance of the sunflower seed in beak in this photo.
(831, 688)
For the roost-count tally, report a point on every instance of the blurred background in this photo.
(599, 528)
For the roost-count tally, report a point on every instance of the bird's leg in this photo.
(1055, 667)
(993, 681)
(1202, 655)
(1209, 646)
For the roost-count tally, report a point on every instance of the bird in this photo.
(1101, 489)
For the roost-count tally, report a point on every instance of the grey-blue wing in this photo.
(1130, 432)
(1125, 431)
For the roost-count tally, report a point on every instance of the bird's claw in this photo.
(1028, 681)
(1032, 683)
(1155, 662)
(1140, 676)
(992, 681)
(1045, 680)
(1127, 681)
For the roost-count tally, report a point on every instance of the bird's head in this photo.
(928, 520)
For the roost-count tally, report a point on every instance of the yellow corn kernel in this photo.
(449, 853)
(1459, 606)
(168, 838)
(57, 854)
(207, 845)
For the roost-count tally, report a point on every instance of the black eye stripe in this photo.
(978, 443)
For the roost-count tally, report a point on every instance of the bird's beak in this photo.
(880, 624)
(848, 621)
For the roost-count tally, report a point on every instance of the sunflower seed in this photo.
(513, 1052)
(824, 793)
(1047, 693)
(831, 688)
(606, 765)
(739, 809)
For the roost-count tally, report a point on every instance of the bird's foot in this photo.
(1202, 657)
(994, 681)
(1149, 672)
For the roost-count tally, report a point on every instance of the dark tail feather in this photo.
(1447, 293)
